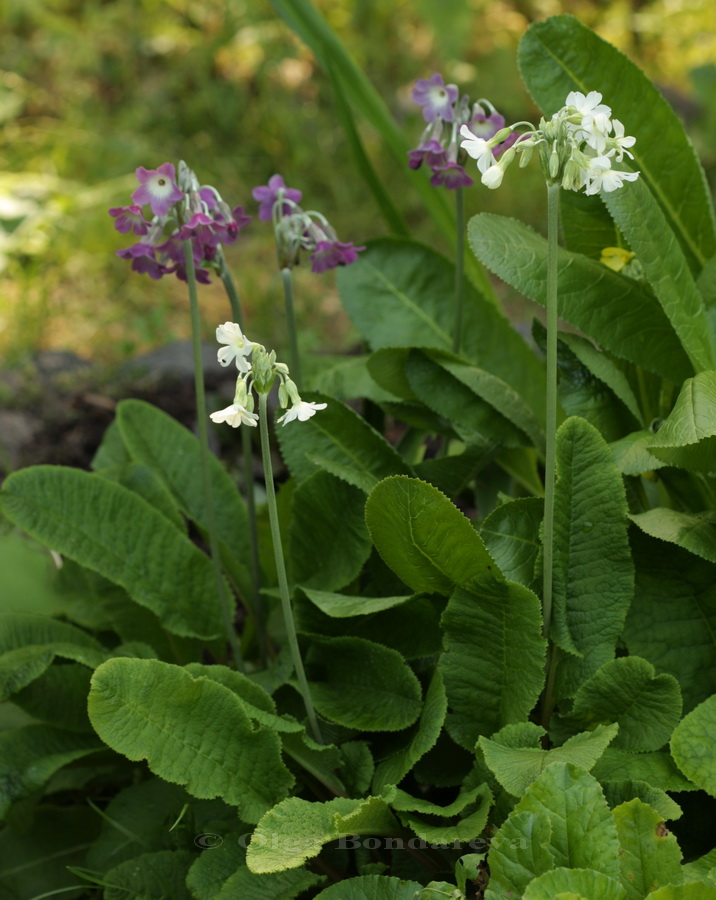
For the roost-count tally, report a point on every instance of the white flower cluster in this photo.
(260, 374)
(577, 146)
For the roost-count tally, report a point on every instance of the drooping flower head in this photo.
(439, 148)
(298, 231)
(578, 147)
(258, 370)
(182, 210)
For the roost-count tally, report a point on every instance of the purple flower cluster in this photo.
(298, 231)
(182, 210)
(439, 146)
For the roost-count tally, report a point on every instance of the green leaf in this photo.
(518, 853)
(687, 437)
(618, 792)
(114, 532)
(58, 697)
(511, 536)
(362, 685)
(342, 443)
(371, 887)
(192, 731)
(517, 767)
(341, 606)
(586, 225)
(423, 816)
(631, 454)
(344, 377)
(423, 737)
(657, 769)
(30, 756)
(159, 442)
(574, 884)
(151, 876)
(694, 891)
(616, 312)
(672, 619)
(399, 295)
(648, 231)
(701, 868)
(493, 664)
(111, 451)
(561, 55)
(692, 745)
(148, 484)
(650, 855)
(646, 706)
(590, 601)
(583, 834)
(26, 576)
(423, 536)
(296, 830)
(695, 533)
(328, 538)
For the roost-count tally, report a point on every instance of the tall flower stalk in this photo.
(258, 371)
(577, 148)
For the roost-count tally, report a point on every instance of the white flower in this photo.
(477, 148)
(235, 415)
(492, 178)
(239, 347)
(601, 177)
(301, 411)
(621, 143)
(596, 118)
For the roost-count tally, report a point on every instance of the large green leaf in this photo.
(519, 852)
(648, 231)
(616, 312)
(657, 769)
(111, 530)
(149, 485)
(341, 606)
(574, 884)
(511, 535)
(471, 808)
(362, 685)
(159, 442)
(694, 891)
(590, 600)
(372, 887)
(342, 443)
(192, 731)
(649, 854)
(493, 664)
(424, 537)
(150, 876)
(29, 756)
(692, 745)
(58, 697)
(516, 767)
(646, 706)
(561, 55)
(695, 533)
(329, 541)
(399, 294)
(687, 437)
(422, 737)
(672, 619)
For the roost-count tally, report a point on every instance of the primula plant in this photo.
(461, 644)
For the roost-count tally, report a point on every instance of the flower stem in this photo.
(459, 268)
(201, 415)
(248, 463)
(281, 569)
(287, 280)
(550, 444)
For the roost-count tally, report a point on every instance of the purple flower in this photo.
(158, 188)
(144, 260)
(267, 196)
(450, 175)
(129, 218)
(435, 97)
(431, 153)
(329, 254)
(486, 126)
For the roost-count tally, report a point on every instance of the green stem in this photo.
(459, 268)
(248, 463)
(551, 410)
(204, 456)
(287, 281)
(281, 569)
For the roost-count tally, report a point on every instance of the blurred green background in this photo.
(91, 89)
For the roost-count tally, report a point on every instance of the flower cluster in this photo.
(258, 369)
(446, 114)
(577, 147)
(182, 210)
(298, 231)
